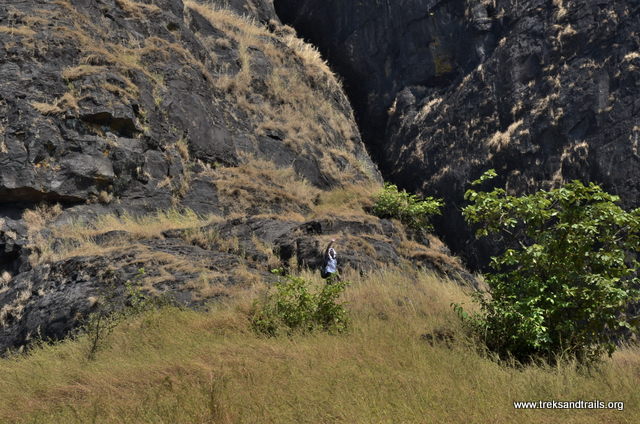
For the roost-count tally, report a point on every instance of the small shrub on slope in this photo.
(294, 308)
(565, 289)
(410, 209)
(113, 310)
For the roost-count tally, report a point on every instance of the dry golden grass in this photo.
(561, 11)
(631, 56)
(105, 197)
(46, 108)
(284, 216)
(162, 267)
(419, 252)
(183, 148)
(69, 101)
(356, 244)
(16, 306)
(138, 10)
(309, 55)
(37, 218)
(145, 226)
(348, 200)
(207, 286)
(23, 31)
(180, 366)
(273, 261)
(3, 144)
(99, 55)
(299, 98)
(202, 236)
(261, 182)
(77, 239)
(81, 71)
(209, 238)
(246, 277)
(500, 139)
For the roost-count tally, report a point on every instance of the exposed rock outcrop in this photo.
(542, 91)
(177, 146)
(192, 265)
(128, 107)
(380, 47)
(125, 97)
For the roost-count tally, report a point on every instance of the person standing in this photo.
(330, 263)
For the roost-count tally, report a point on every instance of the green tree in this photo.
(410, 209)
(564, 290)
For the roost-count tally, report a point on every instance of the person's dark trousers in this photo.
(330, 277)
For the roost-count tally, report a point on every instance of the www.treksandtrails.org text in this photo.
(577, 404)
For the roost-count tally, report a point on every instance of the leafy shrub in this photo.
(293, 307)
(410, 209)
(565, 289)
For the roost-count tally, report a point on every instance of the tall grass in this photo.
(181, 366)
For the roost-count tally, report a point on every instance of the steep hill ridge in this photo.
(117, 96)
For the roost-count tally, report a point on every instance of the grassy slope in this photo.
(175, 366)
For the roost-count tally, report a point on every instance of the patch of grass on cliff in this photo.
(262, 182)
(78, 238)
(347, 200)
(182, 366)
(296, 101)
(21, 30)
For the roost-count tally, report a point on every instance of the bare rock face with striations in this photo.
(380, 47)
(542, 91)
(122, 97)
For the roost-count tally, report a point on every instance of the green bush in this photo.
(564, 290)
(293, 307)
(410, 209)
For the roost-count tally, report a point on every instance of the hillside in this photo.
(166, 164)
(181, 146)
(179, 366)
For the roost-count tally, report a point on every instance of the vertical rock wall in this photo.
(544, 91)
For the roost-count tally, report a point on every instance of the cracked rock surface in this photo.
(124, 97)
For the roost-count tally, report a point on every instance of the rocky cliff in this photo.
(380, 47)
(183, 148)
(543, 91)
(119, 97)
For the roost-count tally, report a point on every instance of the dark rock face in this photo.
(194, 265)
(132, 106)
(542, 91)
(175, 146)
(13, 246)
(261, 10)
(379, 47)
(123, 97)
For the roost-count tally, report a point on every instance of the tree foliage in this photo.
(410, 209)
(566, 287)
